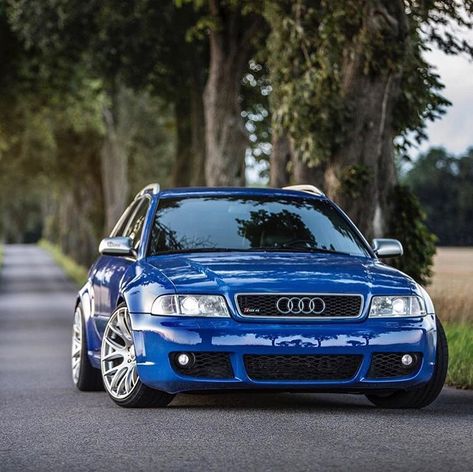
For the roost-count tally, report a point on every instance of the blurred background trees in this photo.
(99, 97)
(443, 184)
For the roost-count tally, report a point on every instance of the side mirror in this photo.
(117, 246)
(387, 247)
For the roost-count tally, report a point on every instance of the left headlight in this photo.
(190, 305)
(395, 307)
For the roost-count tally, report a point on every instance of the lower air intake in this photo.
(302, 367)
(389, 364)
(211, 365)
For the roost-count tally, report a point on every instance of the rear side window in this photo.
(120, 227)
(135, 228)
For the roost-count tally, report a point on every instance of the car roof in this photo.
(243, 191)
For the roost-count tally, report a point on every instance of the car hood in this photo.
(239, 272)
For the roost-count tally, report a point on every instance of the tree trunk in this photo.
(198, 138)
(281, 156)
(361, 174)
(120, 127)
(226, 138)
(114, 174)
(183, 161)
(287, 167)
(189, 164)
(305, 174)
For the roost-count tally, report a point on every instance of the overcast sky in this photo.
(454, 130)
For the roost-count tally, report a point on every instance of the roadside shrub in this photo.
(407, 223)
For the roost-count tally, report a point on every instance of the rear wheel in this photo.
(118, 366)
(84, 376)
(425, 395)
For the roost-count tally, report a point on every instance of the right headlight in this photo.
(190, 305)
(396, 307)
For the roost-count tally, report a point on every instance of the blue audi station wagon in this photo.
(216, 289)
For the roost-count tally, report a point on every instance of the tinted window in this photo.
(252, 223)
(120, 227)
(135, 228)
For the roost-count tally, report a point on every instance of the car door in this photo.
(114, 267)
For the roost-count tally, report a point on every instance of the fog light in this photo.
(183, 359)
(407, 360)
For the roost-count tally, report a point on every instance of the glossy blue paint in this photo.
(139, 281)
(157, 337)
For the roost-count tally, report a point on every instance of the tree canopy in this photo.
(100, 96)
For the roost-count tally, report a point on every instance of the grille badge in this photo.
(300, 305)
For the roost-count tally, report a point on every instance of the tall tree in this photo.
(234, 27)
(348, 79)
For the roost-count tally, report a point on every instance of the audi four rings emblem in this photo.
(300, 305)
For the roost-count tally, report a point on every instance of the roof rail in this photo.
(151, 188)
(305, 188)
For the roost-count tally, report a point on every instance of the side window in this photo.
(135, 228)
(119, 229)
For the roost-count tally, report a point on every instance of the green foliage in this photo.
(354, 180)
(420, 100)
(407, 223)
(141, 43)
(443, 183)
(61, 60)
(460, 346)
(76, 272)
(305, 49)
(317, 47)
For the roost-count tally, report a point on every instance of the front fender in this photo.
(144, 285)
(87, 301)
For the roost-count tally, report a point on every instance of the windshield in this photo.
(251, 223)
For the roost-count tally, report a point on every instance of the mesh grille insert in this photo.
(308, 306)
(388, 364)
(302, 367)
(214, 365)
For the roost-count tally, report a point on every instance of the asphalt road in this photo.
(45, 424)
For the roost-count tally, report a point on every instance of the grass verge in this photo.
(460, 345)
(73, 270)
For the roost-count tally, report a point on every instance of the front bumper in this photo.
(157, 338)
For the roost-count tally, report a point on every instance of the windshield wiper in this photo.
(201, 249)
(304, 249)
(253, 249)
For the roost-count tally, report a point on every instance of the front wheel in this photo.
(425, 395)
(118, 366)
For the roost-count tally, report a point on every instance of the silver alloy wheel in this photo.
(118, 360)
(76, 353)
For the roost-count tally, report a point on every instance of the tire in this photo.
(118, 366)
(427, 393)
(85, 377)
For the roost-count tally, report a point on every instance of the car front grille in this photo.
(301, 367)
(388, 364)
(300, 305)
(213, 365)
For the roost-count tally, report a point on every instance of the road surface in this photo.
(46, 425)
